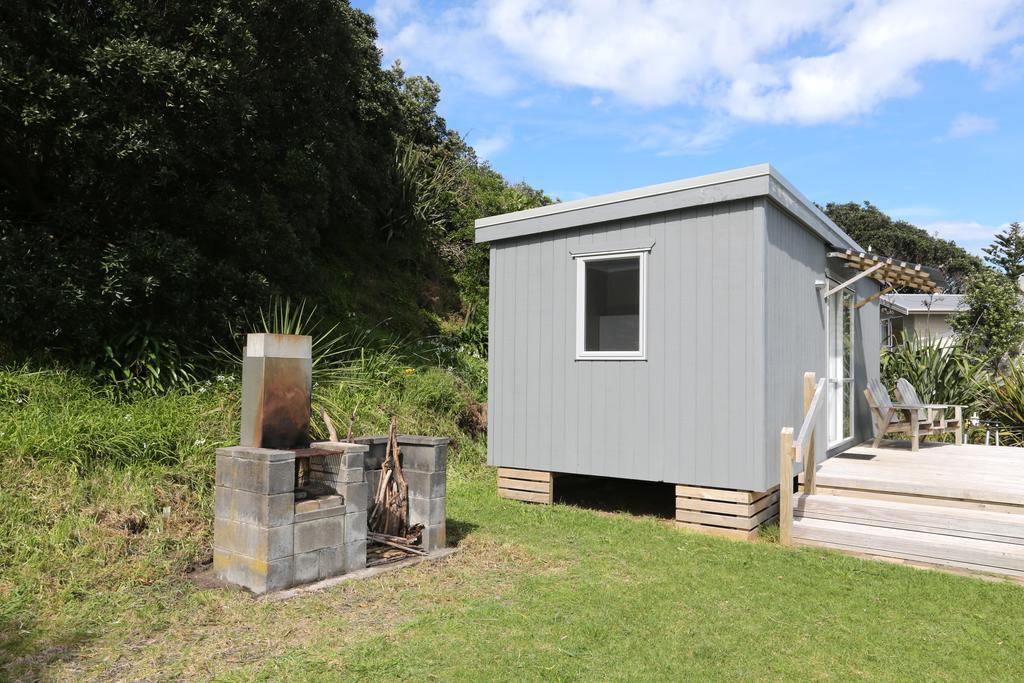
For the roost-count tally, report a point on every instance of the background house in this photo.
(925, 316)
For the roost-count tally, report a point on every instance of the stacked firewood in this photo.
(389, 519)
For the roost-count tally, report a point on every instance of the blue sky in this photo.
(914, 105)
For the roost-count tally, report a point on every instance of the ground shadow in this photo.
(649, 498)
(457, 529)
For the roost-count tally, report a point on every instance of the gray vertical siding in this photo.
(733, 322)
(692, 412)
(796, 343)
(795, 329)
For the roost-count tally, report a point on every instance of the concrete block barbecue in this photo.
(288, 512)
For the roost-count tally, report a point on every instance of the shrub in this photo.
(1003, 403)
(942, 372)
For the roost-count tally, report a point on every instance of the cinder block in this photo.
(426, 511)
(425, 458)
(254, 508)
(433, 538)
(426, 484)
(374, 458)
(306, 567)
(348, 476)
(414, 440)
(356, 496)
(355, 555)
(261, 454)
(332, 561)
(223, 474)
(352, 453)
(329, 501)
(259, 576)
(355, 459)
(319, 533)
(251, 540)
(372, 481)
(355, 526)
(264, 477)
(320, 513)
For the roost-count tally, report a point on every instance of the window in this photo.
(840, 366)
(610, 301)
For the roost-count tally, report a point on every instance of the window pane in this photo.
(847, 335)
(612, 321)
(848, 413)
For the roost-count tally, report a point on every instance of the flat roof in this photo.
(761, 180)
(924, 303)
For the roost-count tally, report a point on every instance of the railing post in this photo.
(810, 382)
(786, 486)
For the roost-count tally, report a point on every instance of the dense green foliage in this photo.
(875, 230)
(165, 167)
(943, 373)
(1003, 403)
(992, 322)
(1006, 253)
(174, 162)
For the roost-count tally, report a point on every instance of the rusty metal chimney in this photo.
(276, 387)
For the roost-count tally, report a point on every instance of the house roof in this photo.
(761, 180)
(924, 303)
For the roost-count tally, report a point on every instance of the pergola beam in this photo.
(887, 271)
(863, 273)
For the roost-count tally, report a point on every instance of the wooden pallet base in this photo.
(532, 486)
(726, 512)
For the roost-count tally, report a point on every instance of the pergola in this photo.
(891, 273)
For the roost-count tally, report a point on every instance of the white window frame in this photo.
(581, 304)
(850, 407)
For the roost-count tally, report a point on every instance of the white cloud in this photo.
(909, 212)
(487, 147)
(971, 235)
(967, 125)
(674, 138)
(805, 61)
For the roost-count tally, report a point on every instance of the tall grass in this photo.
(56, 414)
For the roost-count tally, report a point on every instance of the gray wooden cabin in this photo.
(662, 334)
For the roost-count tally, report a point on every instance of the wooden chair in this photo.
(935, 413)
(887, 416)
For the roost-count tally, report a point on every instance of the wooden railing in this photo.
(800, 449)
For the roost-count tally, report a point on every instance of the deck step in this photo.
(983, 525)
(914, 546)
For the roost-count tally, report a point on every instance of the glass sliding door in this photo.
(840, 338)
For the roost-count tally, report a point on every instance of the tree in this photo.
(871, 227)
(166, 166)
(1007, 252)
(992, 322)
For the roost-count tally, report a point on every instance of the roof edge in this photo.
(741, 183)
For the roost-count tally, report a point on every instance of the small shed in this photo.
(662, 334)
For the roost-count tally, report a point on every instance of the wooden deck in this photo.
(947, 505)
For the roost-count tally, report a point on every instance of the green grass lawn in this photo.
(553, 593)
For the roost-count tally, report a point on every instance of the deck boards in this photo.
(945, 505)
(982, 474)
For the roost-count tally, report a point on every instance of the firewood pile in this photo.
(389, 529)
